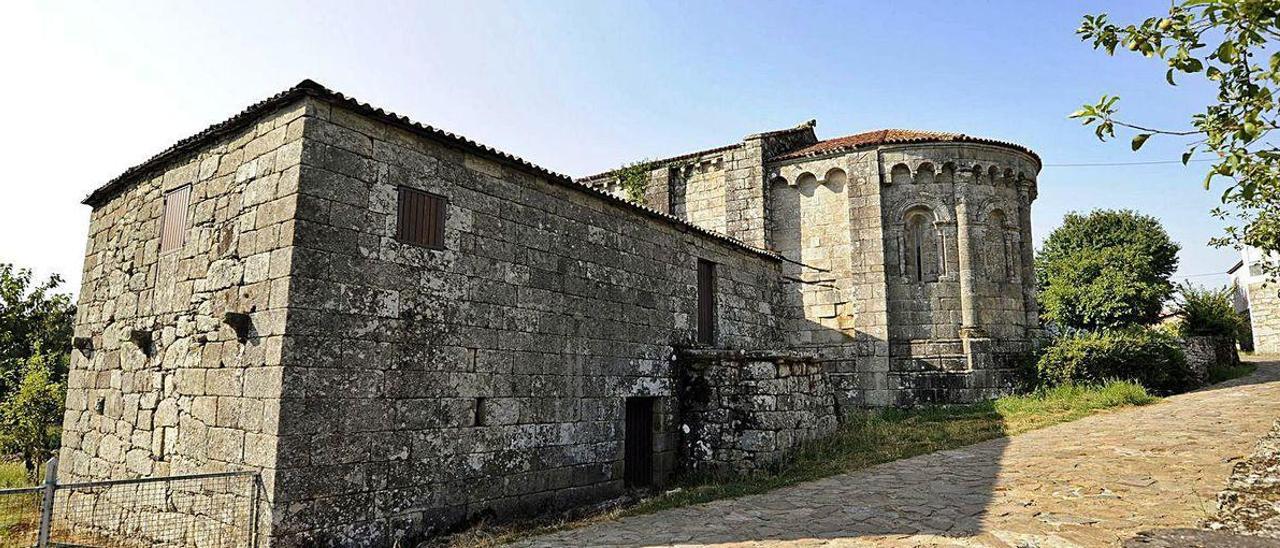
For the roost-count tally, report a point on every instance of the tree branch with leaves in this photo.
(1232, 43)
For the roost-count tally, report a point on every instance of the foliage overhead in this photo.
(1107, 269)
(29, 417)
(1232, 44)
(33, 321)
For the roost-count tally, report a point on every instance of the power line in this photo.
(1201, 275)
(1115, 164)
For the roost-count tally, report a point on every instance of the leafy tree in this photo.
(1106, 269)
(29, 418)
(1233, 44)
(33, 320)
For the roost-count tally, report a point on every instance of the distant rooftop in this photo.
(891, 137)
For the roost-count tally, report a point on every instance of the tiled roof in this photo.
(890, 137)
(309, 88)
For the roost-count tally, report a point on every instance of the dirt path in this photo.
(1092, 482)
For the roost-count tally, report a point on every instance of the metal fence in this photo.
(198, 510)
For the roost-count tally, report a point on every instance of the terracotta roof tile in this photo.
(309, 88)
(890, 137)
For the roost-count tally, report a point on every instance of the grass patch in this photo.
(12, 474)
(18, 513)
(1223, 373)
(867, 438)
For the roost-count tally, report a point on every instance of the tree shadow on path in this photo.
(1096, 481)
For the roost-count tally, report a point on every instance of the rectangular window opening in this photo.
(173, 225)
(706, 302)
(420, 218)
(478, 419)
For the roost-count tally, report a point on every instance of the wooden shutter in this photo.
(173, 226)
(420, 218)
(706, 301)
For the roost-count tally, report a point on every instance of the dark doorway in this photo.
(638, 457)
(706, 302)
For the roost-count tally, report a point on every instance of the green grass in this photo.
(1223, 373)
(12, 474)
(868, 438)
(18, 513)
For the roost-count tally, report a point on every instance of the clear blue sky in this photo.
(580, 87)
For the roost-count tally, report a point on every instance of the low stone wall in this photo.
(743, 411)
(1205, 351)
(1250, 504)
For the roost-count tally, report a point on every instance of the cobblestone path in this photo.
(1091, 482)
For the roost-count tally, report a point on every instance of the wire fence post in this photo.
(257, 487)
(46, 509)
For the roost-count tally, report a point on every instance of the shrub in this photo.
(1208, 311)
(1105, 270)
(1150, 358)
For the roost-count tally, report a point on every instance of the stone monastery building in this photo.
(405, 331)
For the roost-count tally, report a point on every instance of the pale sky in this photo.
(579, 87)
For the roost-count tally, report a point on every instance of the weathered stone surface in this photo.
(743, 412)
(391, 391)
(1204, 352)
(181, 409)
(1250, 504)
(1098, 481)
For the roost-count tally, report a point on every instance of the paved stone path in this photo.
(1092, 482)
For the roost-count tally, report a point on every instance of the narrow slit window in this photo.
(478, 419)
(173, 226)
(420, 218)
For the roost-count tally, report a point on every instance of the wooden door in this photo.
(638, 453)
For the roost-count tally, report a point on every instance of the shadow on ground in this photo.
(1091, 482)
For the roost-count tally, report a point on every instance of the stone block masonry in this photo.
(1264, 308)
(1205, 351)
(166, 386)
(742, 412)
(424, 388)
(254, 299)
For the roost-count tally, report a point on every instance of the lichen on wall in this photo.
(742, 412)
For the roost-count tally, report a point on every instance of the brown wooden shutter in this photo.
(706, 302)
(173, 226)
(420, 218)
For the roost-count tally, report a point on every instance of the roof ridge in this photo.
(310, 88)
(889, 136)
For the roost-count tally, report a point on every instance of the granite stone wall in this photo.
(388, 392)
(698, 190)
(162, 385)
(957, 332)
(741, 412)
(426, 388)
(1206, 351)
(1264, 313)
(909, 268)
(823, 216)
